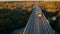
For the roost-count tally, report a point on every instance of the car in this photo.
(39, 14)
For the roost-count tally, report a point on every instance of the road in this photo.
(38, 25)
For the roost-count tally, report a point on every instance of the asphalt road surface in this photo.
(36, 24)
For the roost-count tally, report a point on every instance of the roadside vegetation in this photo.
(12, 19)
(55, 23)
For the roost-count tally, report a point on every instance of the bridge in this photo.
(37, 23)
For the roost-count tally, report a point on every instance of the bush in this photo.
(12, 19)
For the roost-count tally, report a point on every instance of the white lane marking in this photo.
(44, 26)
(27, 25)
(38, 24)
(47, 23)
